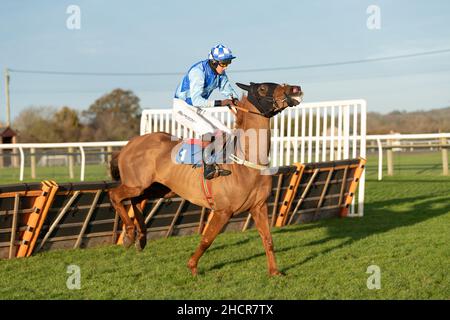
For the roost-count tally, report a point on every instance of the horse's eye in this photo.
(262, 89)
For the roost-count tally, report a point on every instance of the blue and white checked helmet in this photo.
(220, 53)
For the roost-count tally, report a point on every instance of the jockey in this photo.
(193, 94)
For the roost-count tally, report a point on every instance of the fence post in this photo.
(390, 158)
(83, 162)
(444, 156)
(15, 158)
(71, 175)
(33, 162)
(380, 160)
(109, 155)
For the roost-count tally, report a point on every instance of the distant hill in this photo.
(431, 121)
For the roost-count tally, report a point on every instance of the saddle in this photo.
(191, 150)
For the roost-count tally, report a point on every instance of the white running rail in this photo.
(310, 132)
(80, 145)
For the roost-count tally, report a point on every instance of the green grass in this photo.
(59, 174)
(404, 232)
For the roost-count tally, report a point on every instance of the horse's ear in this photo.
(243, 86)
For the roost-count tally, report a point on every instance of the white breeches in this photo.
(196, 119)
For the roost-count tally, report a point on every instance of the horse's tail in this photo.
(114, 166)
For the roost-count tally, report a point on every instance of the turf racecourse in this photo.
(404, 232)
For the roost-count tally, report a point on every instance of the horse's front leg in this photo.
(212, 229)
(261, 218)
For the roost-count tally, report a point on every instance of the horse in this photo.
(147, 162)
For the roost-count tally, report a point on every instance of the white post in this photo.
(275, 142)
(310, 133)
(83, 163)
(296, 135)
(289, 137)
(317, 149)
(71, 175)
(33, 162)
(281, 141)
(390, 158)
(302, 151)
(332, 127)
(363, 154)
(22, 163)
(444, 156)
(380, 160)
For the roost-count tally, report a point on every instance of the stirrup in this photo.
(216, 172)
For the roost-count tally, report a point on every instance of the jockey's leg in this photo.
(191, 117)
(206, 126)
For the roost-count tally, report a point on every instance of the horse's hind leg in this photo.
(218, 221)
(261, 218)
(117, 195)
(138, 207)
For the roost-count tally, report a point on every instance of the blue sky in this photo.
(169, 36)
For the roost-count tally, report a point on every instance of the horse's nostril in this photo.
(295, 89)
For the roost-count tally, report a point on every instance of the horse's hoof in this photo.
(276, 273)
(194, 272)
(141, 243)
(127, 242)
(193, 267)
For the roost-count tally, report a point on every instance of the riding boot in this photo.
(210, 168)
(211, 171)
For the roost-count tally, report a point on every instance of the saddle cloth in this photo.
(190, 152)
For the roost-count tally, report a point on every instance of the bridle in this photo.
(275, 102)
(270, 99)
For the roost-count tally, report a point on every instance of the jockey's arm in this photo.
(226, 89)
(197, 79)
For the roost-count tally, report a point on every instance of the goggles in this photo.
(224, 63)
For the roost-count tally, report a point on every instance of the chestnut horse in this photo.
(148, 160)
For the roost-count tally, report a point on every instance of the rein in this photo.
(244, 110)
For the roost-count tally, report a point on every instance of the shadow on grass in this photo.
(236, 243)
(380, 219)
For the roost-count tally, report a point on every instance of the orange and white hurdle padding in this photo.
(46, 216)
(322, 189)
(290, 194)
(352, 189)
(36, 219)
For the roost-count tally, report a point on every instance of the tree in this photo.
(34, 124)
(114, 116)
(67, 124)
(46, 124)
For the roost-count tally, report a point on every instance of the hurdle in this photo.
(318, 151)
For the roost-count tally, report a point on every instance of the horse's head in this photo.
(272, 98)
